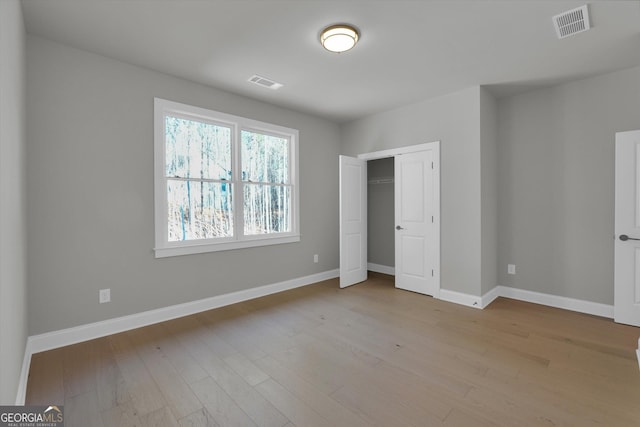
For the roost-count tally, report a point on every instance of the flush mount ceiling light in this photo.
(339, 38)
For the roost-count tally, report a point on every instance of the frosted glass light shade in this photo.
(339, 38)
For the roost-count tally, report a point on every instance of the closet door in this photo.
(417, 237)
(626, 306)
(353, 221)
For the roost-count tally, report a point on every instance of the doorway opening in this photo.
(380, 212)
(416, 217)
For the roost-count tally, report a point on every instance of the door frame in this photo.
(435, 146)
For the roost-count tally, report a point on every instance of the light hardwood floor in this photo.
(365, 355)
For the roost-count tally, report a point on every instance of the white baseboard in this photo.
(384, 269)
(490, 296)
(64, 337)
(24, 375)
(556, 301)
(460, 298)
(565, 303)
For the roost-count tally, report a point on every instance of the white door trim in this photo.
(402, 150)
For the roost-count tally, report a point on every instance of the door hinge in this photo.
(431, 165)
(432, 218)
(431, 273)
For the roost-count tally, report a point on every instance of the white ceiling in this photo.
(409, 50)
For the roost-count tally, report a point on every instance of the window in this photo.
(221, 181)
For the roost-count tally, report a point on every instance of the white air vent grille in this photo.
(572, 22)
(265, 82)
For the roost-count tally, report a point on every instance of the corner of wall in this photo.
(13, 283)
(489, 190)
(556, 179)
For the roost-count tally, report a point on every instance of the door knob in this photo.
(399, 228)
(624, 238)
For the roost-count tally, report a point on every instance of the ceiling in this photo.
(408, 51)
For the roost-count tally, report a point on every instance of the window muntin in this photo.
(222, 181)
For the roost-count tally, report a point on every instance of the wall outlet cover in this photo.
(105, 295)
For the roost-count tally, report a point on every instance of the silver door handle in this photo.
(624, 238)
(399, 228)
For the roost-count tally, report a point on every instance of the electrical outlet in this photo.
(511, 269)
(105, 295)
(315, 258)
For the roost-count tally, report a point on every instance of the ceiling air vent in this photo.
(572, 22)
(265, 82)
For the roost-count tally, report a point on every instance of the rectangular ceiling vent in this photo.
(572, 22)
(265, 82)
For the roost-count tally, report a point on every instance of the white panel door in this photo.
(353, 221)
(417, 241)
(627, 229)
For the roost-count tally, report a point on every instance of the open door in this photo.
(353, 221)
(417, 239)
(626, 307)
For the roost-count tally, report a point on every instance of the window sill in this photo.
(228, 246)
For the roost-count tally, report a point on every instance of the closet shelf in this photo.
(381, 181)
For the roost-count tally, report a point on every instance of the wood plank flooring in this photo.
(368, 355)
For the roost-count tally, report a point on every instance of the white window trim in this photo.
(164, 248)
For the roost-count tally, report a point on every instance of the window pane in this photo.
(266, 209)
(199, 210)
(197, 150)
(265, 158)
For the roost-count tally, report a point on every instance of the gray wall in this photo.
(489, 188)
(380, 209)
(13, 281)
(90, 193)
(556, 184)
(538, 164)
(454, 120)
